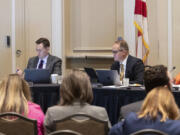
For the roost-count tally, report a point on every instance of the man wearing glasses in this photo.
(43, 60)
(127, 65)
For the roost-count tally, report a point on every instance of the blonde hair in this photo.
(159, 101)
(15, 94)
(76, 86)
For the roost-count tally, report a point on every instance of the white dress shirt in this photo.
(44, 62)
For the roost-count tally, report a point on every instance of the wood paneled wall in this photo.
(91, 28)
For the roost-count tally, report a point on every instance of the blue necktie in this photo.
(41, 64)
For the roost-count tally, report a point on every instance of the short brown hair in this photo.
(76, 86)
(122, 44)
(155, 76)
(44, 41)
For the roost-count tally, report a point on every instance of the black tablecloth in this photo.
(45, 95)
(112, 99)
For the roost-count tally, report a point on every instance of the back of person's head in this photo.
(156, 76)
(159, 101)
(122, 44)
(76, 86)
(14, 93)
(44, 41)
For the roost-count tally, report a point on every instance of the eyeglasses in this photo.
(120, 50)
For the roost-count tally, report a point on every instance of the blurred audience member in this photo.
(177, 79)
(159, 111)
(154, 76)
(75, 97)
(15, 97)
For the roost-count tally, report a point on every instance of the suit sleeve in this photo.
(138, 72)
(115, 66)
(48, 123)
(29, 63)
(121, 115)
(57, 67)
(116, 129)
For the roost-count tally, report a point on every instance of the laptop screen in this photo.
(108, 77)
(92, 74)
(37, 75)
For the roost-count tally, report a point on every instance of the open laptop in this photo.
(37, 75)
(92, 74)
(108, 77)
(93, 77)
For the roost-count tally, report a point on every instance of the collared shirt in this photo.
(124, 62)
(44, 62)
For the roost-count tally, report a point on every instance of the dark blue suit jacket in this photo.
(134, 69)
(133, 124)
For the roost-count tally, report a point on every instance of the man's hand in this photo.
(20, 72)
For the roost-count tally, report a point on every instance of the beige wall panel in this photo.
(91, 27)
(153, 34)
(20, 34)
(119, 18)
(176, 35)
(37, 23)
(162, 19)
(5, 29)
(95, 63)
(93, 24)
(66, 45)
(158, 28)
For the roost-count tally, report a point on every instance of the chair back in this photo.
(84, 124)
(149, 132)
(16, 124)
(2, 133)
(65, 132)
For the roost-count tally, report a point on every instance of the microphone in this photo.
(173, 68)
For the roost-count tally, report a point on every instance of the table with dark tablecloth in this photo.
(45, 95)
(112, 99)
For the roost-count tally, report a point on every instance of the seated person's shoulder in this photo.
(133, 107)
(35, 111)
(132, 115)
(34, 106)
(117, 129)
(138, 60)
(34, 57)
(57, 108)
(98, 108)
(55, 58)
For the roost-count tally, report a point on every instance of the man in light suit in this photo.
(154, 76)
(44, 60)
(133, 67)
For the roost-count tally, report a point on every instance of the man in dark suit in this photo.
(154, 76)
(44, 60)
(133, 67)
